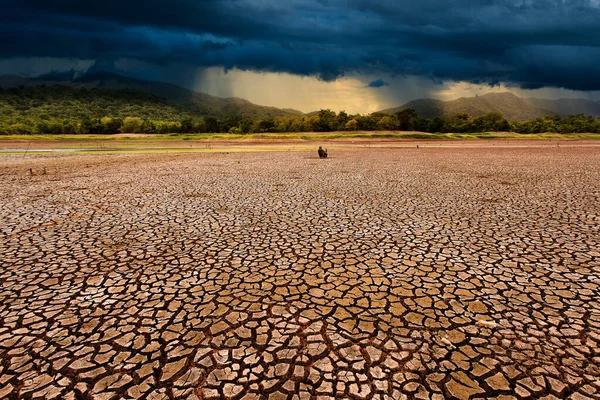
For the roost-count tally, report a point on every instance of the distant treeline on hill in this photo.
(66, 110)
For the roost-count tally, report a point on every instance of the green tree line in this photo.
(68, 110)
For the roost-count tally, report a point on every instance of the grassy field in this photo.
(308, 136)
(276, 142)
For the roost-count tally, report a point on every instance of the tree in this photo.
(246, 125)
(91, 126)
(52, 128)
(437, 124)
(494, 121)
(148, 126)
(406, 119)
(352, 125)
(342, 120)
(111, 125)
(69, 128)
(299, 124)
(225, 124)
(132, 125)
(212, 125)
(282, 124)
(386, 123)
(325, 121)
(366, 122)
(187, 126)
(199, 126)
(266, 125)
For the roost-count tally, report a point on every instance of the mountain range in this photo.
(509, 105)
(195, 103)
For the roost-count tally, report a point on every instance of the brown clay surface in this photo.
(388, 274)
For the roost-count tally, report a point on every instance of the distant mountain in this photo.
(63, 76)
(46, 103)
(195, 103)
(9, 81)
(564, 107)
(201, 104)
(507, 104)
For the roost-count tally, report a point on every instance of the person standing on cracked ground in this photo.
(322, 153)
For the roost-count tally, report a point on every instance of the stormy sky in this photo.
(354, 54)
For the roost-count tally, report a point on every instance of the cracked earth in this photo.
(374, 274)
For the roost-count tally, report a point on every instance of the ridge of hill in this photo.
(181, 101)
(509, 105)
(194, 103)
(565, 107)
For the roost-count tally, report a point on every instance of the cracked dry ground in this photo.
(282, 276)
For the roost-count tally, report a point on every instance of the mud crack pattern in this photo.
(375, 274)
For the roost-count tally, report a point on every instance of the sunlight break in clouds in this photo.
(351, 93)
(284, 90)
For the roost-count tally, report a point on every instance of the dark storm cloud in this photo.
(527, 43)
(378, 83)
